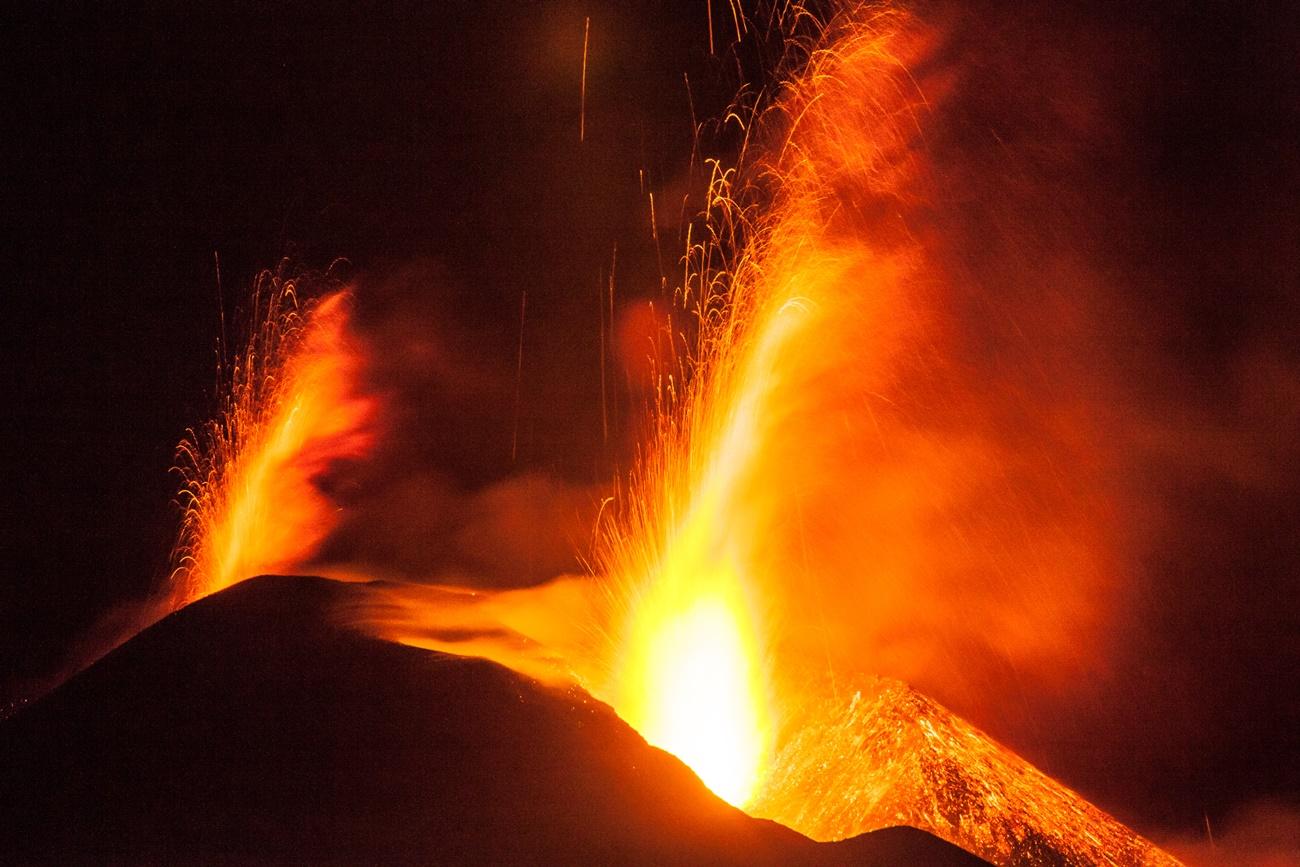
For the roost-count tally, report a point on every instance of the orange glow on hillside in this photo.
(251, 496)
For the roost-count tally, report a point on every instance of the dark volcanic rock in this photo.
(247, 728)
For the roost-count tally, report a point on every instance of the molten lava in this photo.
(252, 499)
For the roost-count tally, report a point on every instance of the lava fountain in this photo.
(837, 488)
(251, 491)
(695, 660)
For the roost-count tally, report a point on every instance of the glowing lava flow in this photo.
(252, 500)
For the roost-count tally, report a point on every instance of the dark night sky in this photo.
(142, 140)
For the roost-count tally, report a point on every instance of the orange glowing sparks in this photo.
(251, 495)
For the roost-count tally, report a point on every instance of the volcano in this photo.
(252, 727)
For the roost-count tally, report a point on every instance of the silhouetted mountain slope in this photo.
(249, 728)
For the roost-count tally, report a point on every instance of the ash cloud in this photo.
(449, 495)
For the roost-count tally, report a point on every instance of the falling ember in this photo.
(251, 493)
(582, 107)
